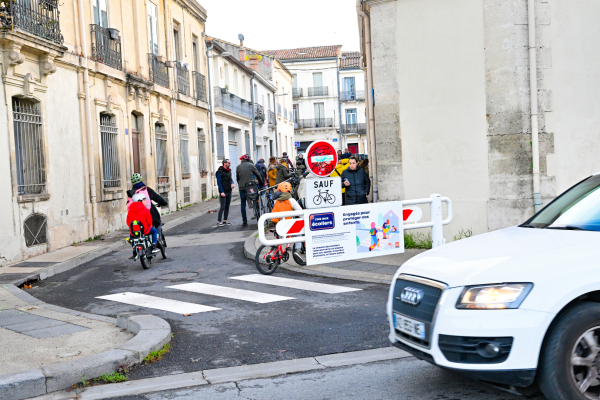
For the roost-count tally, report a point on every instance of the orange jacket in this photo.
(139, 212)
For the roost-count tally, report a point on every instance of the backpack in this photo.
(251, 190)
(144, 191)
(281, 206)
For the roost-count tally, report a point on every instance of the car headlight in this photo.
(493, 297)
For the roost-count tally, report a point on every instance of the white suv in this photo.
(512, 305)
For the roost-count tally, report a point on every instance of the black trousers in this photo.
(225, 202)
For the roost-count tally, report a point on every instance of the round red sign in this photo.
(321, 158)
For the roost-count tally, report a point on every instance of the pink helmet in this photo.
(372, 225)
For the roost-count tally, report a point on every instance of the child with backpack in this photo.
(284, 200)
(137, 214)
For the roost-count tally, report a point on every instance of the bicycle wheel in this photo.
(271, 263)
(331, 199)
(256, 210)
(145, 262)
(317, 200)
(163, 247)
(299, 255)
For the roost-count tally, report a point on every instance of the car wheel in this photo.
(570, 361)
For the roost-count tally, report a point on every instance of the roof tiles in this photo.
(350, 60)
(306, 52)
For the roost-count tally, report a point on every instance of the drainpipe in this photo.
(535, 143)
(88, 121)
(253, 116)
(213, 133)
(366, 19)
(337, 64)
(276, 133)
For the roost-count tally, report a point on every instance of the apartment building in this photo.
(315, 88)
(352, 103)
(109, 88)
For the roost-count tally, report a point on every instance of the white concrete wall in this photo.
(441, 77)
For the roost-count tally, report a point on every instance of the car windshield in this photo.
(576, 209)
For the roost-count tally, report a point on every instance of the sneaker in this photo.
(226, 223)
(219, 224)
(245, 224)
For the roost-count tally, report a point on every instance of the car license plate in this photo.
(409, 326)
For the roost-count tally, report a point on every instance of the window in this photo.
(100, 13)
(295, 112)
(244, 89)
(110, 152)
(202, 165)
(35, 230)
(162, 157)
(269, 101)
(176, 48)
(153, 27)
(295, 83)
(351, 116)
(320, 111)
(220, 142)
(317, 79)
(226, 73)
(236, 86)
(195, 53)
(248, 143)
(31, 169)
(184, 150)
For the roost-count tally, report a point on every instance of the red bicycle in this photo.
(278, 254)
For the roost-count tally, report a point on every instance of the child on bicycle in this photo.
(138, 213)
(284, 200)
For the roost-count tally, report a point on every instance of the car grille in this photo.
(424, 311)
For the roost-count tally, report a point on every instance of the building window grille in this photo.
(220, 142)
(183, 79)
(110, 152)
(162, 157)
(34, 229)
(202, 153)
(186, 195)
(247, 143)
(204, 193)
(165, 195)
(200, 85)
(159, 72)
(106, 47)
(31, 169)
(38, 17)
(184, 149)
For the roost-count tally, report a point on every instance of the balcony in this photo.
(296, 93)
(259, 113)
(159, 73)
(38, 17)
(183, 79)
(272, 119)
(314, 123)
(200, 85)
(106, 47)
(354, 129)
(318, 91)
(233, 103)
(352, 95)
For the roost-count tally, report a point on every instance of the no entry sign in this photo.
(321, 158)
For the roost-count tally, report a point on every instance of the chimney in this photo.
(242, 54)
(254, 62)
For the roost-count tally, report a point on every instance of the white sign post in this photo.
(324, 192)
(353, 232)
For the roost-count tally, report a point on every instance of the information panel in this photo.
(324, 192)
(353, 232)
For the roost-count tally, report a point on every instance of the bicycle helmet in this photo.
(284, 187)
(136, 178)
(139, 197)
(245, 157)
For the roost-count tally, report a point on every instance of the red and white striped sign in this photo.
(412, 214)
(286, 227)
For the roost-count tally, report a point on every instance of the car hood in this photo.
(508, 255)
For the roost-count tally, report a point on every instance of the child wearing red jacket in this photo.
(139, 212)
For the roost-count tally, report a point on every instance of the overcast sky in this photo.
(284, 24)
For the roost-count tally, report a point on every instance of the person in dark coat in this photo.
(301, 159)
(262, 169)
(137, 184)
(246, 172)
(357, 183)
(225, 184)
(282, 172)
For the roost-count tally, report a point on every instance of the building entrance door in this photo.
(353, 148)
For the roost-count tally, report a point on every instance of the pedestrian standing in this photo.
(262, 169)
(301, 159)
(282, 172)
(357, 183)
(225, 184)
(246, 172)
(365, 165)
(287, 160)
(272, 170)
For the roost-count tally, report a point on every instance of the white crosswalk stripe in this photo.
(295, 284)
(232, 293)
(158, 303)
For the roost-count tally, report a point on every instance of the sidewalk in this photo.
(48, 264)
(373, 269)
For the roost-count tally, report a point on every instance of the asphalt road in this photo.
(244, 332)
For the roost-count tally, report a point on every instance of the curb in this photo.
(320, 270)
(87, 257)
(152, 333)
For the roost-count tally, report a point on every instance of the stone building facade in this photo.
(453, 111)
(93, 93)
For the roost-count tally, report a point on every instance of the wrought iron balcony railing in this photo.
(314, 123)
(259, 113)
(106, 47)
(233, 103)
(318, 91)
(352, 95)
(200, 85)
(38, 17)
(354, 129)
(296, 93)
(272, 119)
(183, 79)
(159, 72)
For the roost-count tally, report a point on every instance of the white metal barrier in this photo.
(436, 224)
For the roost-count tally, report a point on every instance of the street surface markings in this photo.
(295, 284)
(158, 303)
(232, 293)
(204, 239)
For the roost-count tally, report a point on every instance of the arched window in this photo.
(29, 146)
(34, 230)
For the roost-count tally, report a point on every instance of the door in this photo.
(153, 27)
(233, 158)
(351, 116)
(353, 148)
(317, 79)
(100, 13)
(319, 114)
(349, 89)
(135, 145)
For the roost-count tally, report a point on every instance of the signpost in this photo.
(296, 144)
(321, 158)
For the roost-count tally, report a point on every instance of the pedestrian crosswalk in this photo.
(182, 307)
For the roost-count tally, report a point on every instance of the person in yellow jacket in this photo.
(272, 171)
(341, 166)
